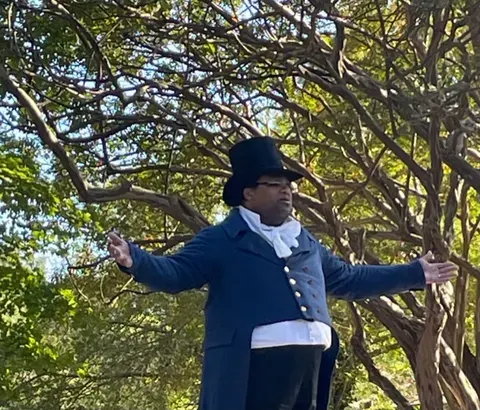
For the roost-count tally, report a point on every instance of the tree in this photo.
(137, 103)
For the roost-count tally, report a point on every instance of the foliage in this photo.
(120, 114)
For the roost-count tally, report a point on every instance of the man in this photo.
(269, 342)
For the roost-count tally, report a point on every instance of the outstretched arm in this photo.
(354, 282)
(188, 269)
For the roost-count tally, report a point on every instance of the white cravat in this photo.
(282, 238)
(292, 332)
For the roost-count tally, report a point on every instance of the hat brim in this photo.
(233, 189)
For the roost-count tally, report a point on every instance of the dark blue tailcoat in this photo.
(250, 286)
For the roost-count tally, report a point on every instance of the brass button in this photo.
(303, 308)
(286, 269)
(298, 294)
(292, 281)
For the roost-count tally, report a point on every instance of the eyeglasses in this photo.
(278, 185)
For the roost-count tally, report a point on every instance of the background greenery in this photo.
(120, 113)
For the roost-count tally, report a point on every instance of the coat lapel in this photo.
(254, 243)
(305, 244)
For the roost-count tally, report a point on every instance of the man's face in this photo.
(271, 198)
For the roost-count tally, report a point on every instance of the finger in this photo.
(441, 265)
(113, 247)
(428, 256)
(451, 273)
(116, 240)
(448, 269)
(114, 251)
(113, 237)
(444, 276)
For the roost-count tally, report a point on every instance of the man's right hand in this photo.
(119, 250)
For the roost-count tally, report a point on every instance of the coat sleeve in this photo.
(190, 268)
(355, 282)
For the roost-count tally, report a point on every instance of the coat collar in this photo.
(234, 224)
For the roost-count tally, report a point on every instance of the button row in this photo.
(293, 282)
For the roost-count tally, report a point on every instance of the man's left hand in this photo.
(437, 272)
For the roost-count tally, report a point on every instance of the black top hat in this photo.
(251, 159)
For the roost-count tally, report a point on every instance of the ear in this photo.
(248, 194)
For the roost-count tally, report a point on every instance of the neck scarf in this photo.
(282, 237)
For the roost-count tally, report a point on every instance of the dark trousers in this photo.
(284, 378)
